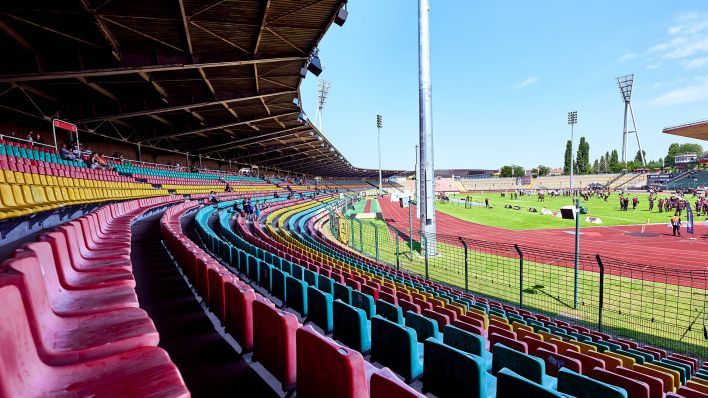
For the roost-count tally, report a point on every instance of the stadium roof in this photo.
(697, 130)
(214, 78)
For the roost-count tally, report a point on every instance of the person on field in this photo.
(635, 202)
(676, 224)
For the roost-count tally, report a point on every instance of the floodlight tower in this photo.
(625, 84)
(379, 124)
(323, 87)
(426, 202)
(572, 120)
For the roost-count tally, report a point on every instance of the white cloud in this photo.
(527, 82)
(689, 38)
(696, 92)
(627, 56)
(696, 63)
(653, 66)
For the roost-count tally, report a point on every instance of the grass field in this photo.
(501, 217)
(668, 315)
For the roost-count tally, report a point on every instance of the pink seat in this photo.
(65, 302)
(62, 340)
(326, 368)
(141, 372)
(554, 362)
(238, 319)
(274, 341)
(70, 278)
(534, 345)
(589, 363)
(511, 343)
(656, 386)
(634, 388)
(385, 384)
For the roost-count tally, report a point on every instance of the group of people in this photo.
(93, 160)
(624, 202)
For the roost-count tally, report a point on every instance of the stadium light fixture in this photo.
(379, 124)
(572, 120)
(342, 14)
(625, 85)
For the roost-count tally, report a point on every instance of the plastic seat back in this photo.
(512, 385)
(385, 384)
(449, 372)
(633, 388)
(350, 326)
(580, 386)
(365, 302)
(238, 314)
(389, 311)
(395, 346)
(274, 341)
(525, 365)
(463, 340)
(423, 326)
(319, 308)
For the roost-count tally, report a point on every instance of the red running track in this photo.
(663, 251)
(367, 206)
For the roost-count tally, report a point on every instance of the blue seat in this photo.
(277, 284)
(389, 311)
(296, 294)
(581, 386)
(467, 342)
(424, 327)
(319, 306)
(511, 385)
(524, 365)
(449, 372)
(310, 277)
(265, 273)
(325, 284)
(365, 302)
(395, 346)
(351, 327)
(342, 292)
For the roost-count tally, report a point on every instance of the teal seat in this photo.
(449, 372)
(647, 357)
(243, 262)
(517, 318)
(525, 365)
(253, 271)
(580, 386)
(310, 277)
(296, 295)
(351, 327)
(580, 337)
(265, 275)
(677, 366)
(325, 284)
(319, 306)
(511, 385)
(297, 271)
(467, 342)
(611, 346)
(497, 312)
(286, 266)
(342, 292)
(365, 302)
(395, 346)
(638, 358)
(389, 311)
(599, 345)
(424, 327)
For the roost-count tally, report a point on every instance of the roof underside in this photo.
(214, 78)
(697, 130)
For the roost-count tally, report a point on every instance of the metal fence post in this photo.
(424, 240)
(351, 225)
(361, 236)
(464, 244)
(602, 292)
(398, 253)
(376, 240)
(521, 276)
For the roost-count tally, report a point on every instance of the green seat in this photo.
(511, 385)
(310, 277)
(525, 365)
(351, 327)
(365, 302)
(325, 284)
(389, 311)
(424, 327)
(319, 306)
(342, 292)
(449, 372)
(296, 295)
(395, 346)
(581, 386)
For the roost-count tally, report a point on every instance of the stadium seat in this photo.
(238, 313)
(634, 388)
(320, 309)
(145, 371)
(581, 386)
(511, 385)
(296, 295)
(395, 346)
(328, 369)
(424, 327)
(389, 311)
(274, 341)
(554, 362)
(385, 384)
(365, 302)
(350, 327)
(449, 372)
(529, 367)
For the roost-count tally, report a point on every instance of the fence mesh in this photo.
(658, 306)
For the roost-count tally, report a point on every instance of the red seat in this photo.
(385, 384)
(511, 343)
(634, 388)
(238, 319)
(589, 363)
(327, 369)
(67, 339)
(501, 332)
(441, 319)
(66, 302)
(72, 279)
(656, 386)
(535, 344)
(84, 259)
(408, 306)
(141, 372)
(690, 393)
(274, 341)
(554, 362)
(468, 327)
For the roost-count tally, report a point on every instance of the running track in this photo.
(663, 251)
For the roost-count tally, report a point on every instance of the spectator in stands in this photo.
(101, 160)
(194, 168)
(94, 163)
(228, 188)
(65, 153)
(39, 139)
(676, 224)
(212, 197)
(30, 138)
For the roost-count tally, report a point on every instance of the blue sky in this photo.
(505, 74)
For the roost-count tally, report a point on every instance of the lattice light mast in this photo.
(323, 87)
(379, 124)
(625, 84)
(572, 120)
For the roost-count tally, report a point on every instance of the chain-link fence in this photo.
(658, 306)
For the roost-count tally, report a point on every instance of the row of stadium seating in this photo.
(563, 340)
(71, 322)
(43, 154)
(690, 180)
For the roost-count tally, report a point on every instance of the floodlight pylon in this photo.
(323, 87)
(625, 85)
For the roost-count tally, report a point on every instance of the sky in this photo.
(505, 75)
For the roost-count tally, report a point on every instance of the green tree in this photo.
(614, 163)
(638, 156)
(543, 170)
(673, 151)
(596, 167)
(602, 167)
(583, 157)
(691, 148)
(518, 171)
(505, 171)
(568, 157)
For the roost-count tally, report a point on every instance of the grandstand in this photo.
(131, 278)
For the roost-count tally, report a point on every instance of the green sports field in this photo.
(501, 217)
